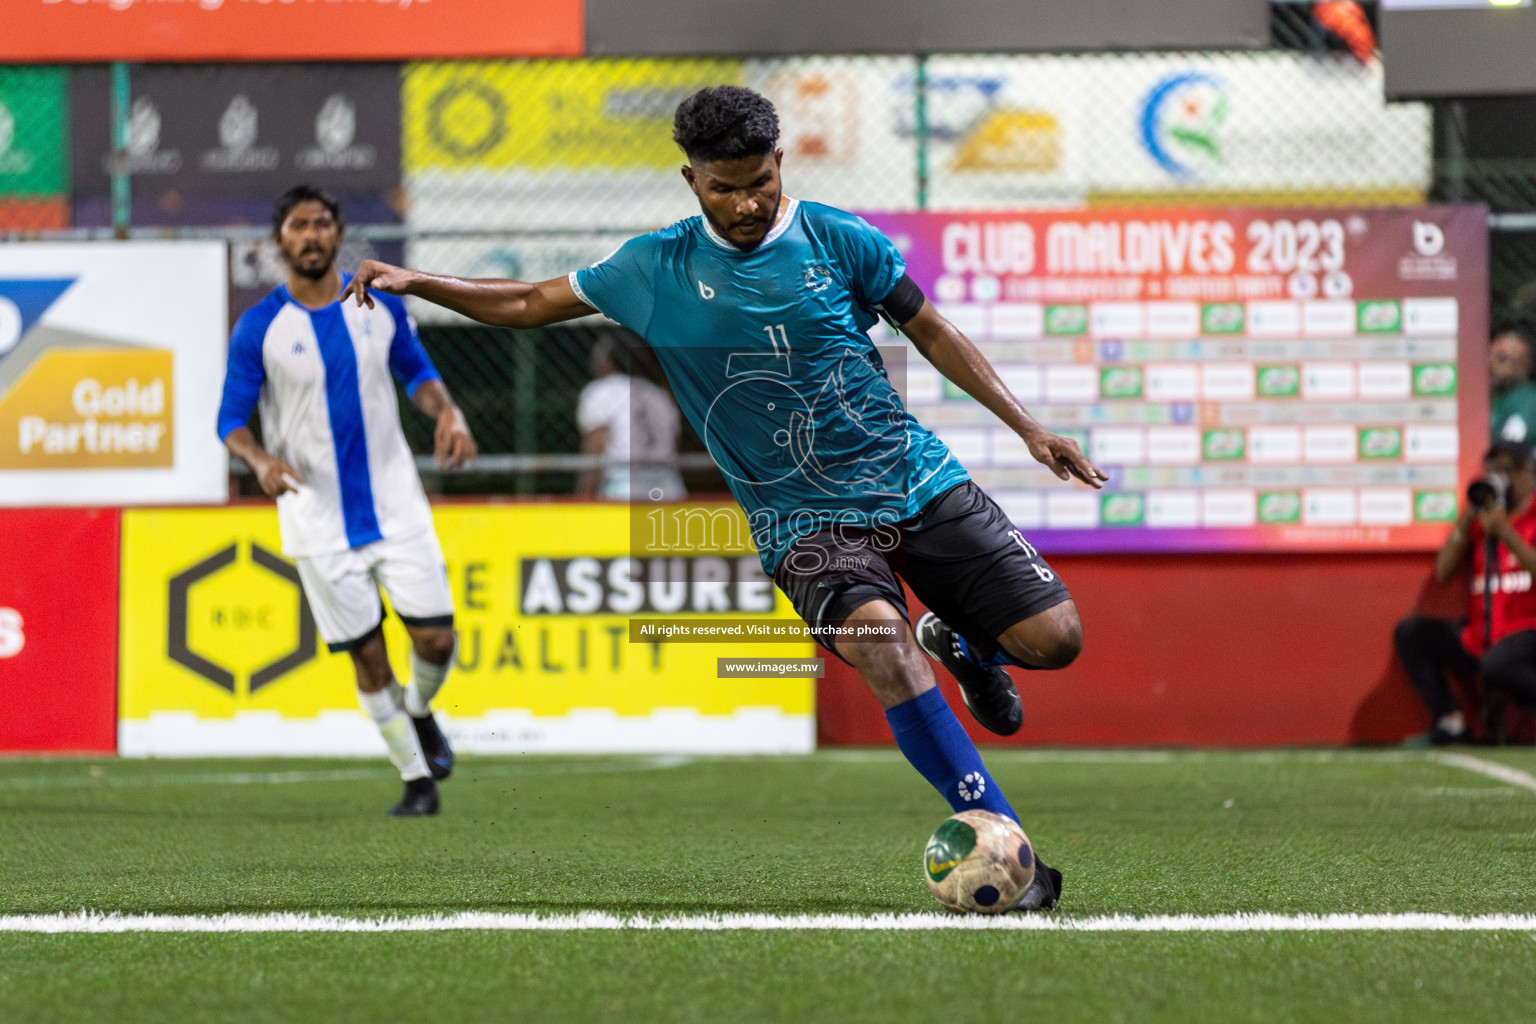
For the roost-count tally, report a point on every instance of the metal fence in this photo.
(529, 169)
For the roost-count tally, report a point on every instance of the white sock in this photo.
(426, 680)
(1454, 723)
(399, 735)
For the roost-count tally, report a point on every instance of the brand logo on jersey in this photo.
(817, 278)
(298, 348)
(706, 291)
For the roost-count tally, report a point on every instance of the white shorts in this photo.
(343, 588)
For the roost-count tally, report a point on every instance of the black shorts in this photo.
(960, 555)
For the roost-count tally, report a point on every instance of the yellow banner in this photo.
(78, 408)
(548, 115)
(213, 623)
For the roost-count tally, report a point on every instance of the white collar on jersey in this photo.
(786, 216)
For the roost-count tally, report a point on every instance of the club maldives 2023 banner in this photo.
(1249, 379)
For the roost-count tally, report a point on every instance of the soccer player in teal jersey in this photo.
(758, 311)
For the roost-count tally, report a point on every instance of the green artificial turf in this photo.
(839, 832)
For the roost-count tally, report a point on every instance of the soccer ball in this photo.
(979, 862)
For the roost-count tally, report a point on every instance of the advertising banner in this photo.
(111, 360)
(1141, 128)
(1250, 379)
(251, 30)
(34, 148)
(549, 144)
(544, 594)
(217, 144)
(577, 155)
(58, 630)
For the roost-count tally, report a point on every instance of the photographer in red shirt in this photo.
(1499, 638)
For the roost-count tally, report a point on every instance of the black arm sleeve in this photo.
(903, 303)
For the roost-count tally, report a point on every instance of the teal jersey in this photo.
(769, 357)
(1513, 414)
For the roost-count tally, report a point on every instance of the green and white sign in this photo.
(34, 132)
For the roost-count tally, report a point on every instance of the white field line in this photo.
(1503, 772)
(1111, 755)
(105, 779)
(600, 921)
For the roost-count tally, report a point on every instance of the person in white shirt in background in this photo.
(629, 418)
(350, 505)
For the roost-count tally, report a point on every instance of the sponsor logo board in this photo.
(58, 629)
(217, 143)
(1228, 363)
(110, 358)
(34, 148)
(539, 115)
(543, 594)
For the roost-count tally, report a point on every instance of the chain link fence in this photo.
(529, 169)
(568, 158)
(1485, 152)
(34, 149)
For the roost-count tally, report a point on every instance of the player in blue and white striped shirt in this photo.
(349, 503)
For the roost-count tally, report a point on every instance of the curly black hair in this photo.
(303, 194)
(725, 122)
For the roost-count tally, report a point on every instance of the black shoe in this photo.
(989, 693)
(1043, 892)
(420, 799)
(434, 746)
(1442, 737)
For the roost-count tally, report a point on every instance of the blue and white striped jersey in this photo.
(328, 407)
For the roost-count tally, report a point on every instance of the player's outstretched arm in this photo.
(494, 302)
(952, 353)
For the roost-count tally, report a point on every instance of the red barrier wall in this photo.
(1212, 650)
(58, 630)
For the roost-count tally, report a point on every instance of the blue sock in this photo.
(998, 659)
(930, 736)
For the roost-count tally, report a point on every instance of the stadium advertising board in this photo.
(34, 148)
(216, 144)
(558, 145)
(107, 351)
(583, 147)
(1265, 127)
(1250, 379)
(561, 145)
(211, 30)
(58, 630)
(544, 593)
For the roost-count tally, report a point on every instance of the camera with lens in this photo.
(1490, 493)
